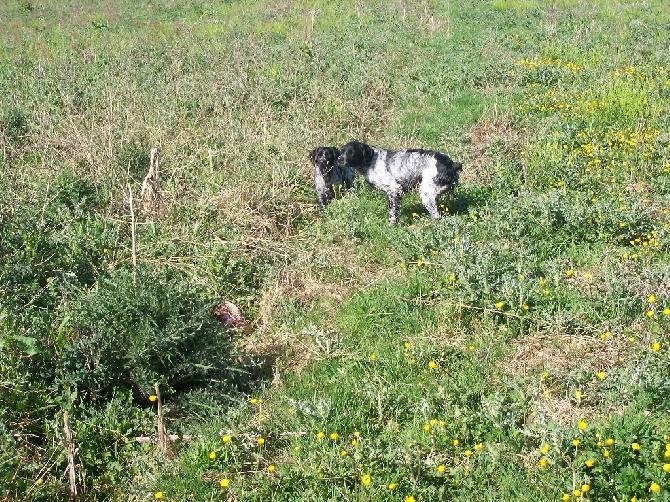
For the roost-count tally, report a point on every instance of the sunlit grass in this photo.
(516, 349)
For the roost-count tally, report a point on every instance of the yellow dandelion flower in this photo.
(297, 447)
(432, 365)
(500, 305)
(226, 438)
(357, 434)
(343, 453)
(569, 273)
(260, 441)
(605, 335)
(654, 488)
(525, 306)
(392, 486)
(582, 425)
(354, 442)
(435, 252)
(578, 395)
(656, 347)
(577, 493)
(545, 449)
(666, 467)
(456, 442)
(272, 468)
(606, 453)
(253, 400)
(410, 498)
(407, 345)
(320, 435)
(586, 488)
(589, 463)
(441, 468)
(666, 311)
(452, 278)
(212, 455)
(158, 495)
(401, 264)
(635, 446)
(543, 462)
(576, 442)
(366, 479)
(426, 427)
(373, 357)
(334, 436)
(419, 263)
(601, 375)
(153, 398)
(651, 298)
(224, 483)
(479, 447)
(609, 441)
(566, 496)
(650, 313)
(467, 453)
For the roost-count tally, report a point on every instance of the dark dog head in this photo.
(448, 172)
(355, 154)
(324, 157)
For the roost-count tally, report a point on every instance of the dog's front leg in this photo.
(430, 203)
(394, 207)
(321, 189)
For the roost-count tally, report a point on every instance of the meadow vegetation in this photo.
(516, 349)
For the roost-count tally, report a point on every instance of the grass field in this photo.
(516, 349)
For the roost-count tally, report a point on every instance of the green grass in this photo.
(516, 349)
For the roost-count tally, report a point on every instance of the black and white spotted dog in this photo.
(329, 178)
(398, 172)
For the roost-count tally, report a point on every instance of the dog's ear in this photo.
(312, 156)
(336, 153)
(368, 153)
(457, 166)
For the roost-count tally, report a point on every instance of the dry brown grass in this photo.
(485, 133)
(550, 359)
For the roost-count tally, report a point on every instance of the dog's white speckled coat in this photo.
(396, 172)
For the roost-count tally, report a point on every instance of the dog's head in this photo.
(324, 157)
(355, 154)
(448, 171)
